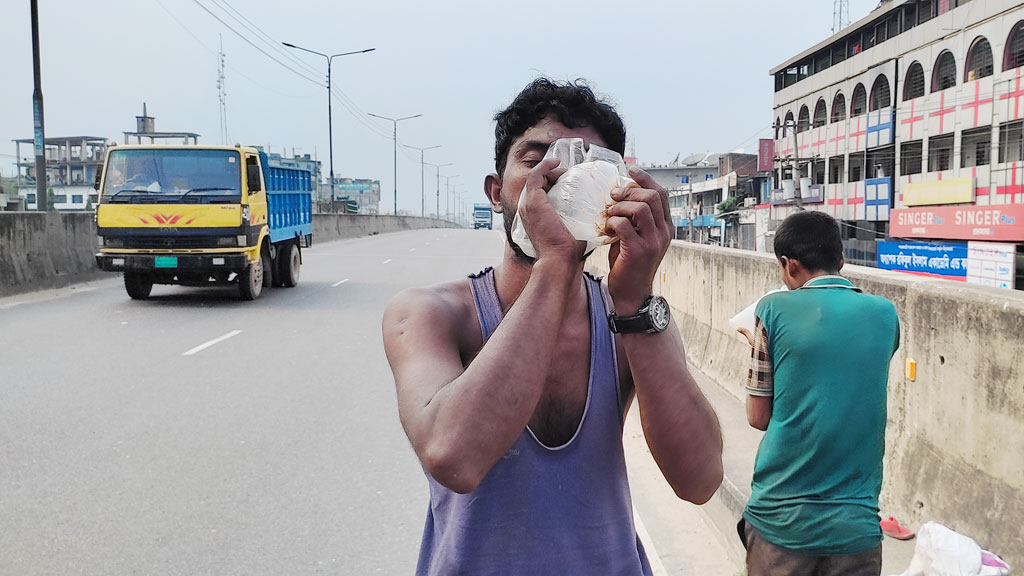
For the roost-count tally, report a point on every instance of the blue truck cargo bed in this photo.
(289, 201)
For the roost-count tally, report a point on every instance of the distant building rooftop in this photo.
(145, 128)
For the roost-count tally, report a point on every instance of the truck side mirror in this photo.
(252, 177)
(96, 181)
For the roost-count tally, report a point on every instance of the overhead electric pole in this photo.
(42, 203)
(222, 94)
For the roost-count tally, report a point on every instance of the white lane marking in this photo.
(386, 261)
(657, 568)
(206, 345)
(412, 249)
(336, 284)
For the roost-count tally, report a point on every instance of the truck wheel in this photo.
(268, 269)
(137, 284)
(290, 264)
(275, 268)
(250, 281)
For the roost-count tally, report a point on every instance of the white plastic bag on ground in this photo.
(583, 194)
(943, 552)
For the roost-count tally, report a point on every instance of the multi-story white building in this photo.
(72, 164)
(910, 121)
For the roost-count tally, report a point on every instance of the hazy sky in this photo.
(686, 76)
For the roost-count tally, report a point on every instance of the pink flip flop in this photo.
(892, 529)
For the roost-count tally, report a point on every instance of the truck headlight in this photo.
(227, 241)
(111, 242)
(242, 240)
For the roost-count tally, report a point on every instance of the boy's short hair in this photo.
(813, 239)
(571, 103)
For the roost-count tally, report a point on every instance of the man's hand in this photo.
(642, 221)
(548, 234)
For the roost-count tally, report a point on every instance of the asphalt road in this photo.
(197, 434)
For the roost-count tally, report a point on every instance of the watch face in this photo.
(659, 313)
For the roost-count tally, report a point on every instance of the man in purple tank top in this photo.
(512, 387)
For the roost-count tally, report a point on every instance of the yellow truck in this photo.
(202, 216)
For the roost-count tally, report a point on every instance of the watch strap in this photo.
(633, 324)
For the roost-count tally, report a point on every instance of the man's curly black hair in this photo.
(571, 103)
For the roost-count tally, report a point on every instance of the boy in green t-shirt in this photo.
(817, 386)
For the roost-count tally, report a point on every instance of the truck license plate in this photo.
(166, 262)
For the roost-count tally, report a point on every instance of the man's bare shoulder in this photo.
(440, 309)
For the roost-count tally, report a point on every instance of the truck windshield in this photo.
(172, 175)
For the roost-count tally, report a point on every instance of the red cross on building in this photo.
(818, 144)
(977, 101)
(1013, 189)
(858, 133)
(942, 111)
(839, 138)
(912, 120)
(856, 200)
(1016, 95)
(835, 206)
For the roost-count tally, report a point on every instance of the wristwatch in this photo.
(653, 317)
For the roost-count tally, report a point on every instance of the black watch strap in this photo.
(652, 317)
(629, 324)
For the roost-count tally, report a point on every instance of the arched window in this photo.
(778, 125)
(805, 120)
(913, 87)
(880, 97)
(979, 61)
(820, 115)
(1013, 55)
(787, 126)
(839, 108)
(944, 75)
(858, 104)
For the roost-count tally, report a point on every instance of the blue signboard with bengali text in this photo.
(946, 260)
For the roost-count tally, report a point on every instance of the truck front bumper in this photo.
(171, 262)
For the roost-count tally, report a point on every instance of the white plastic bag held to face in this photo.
(582, 194)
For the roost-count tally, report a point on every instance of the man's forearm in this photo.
(483, 411)
(681, 427)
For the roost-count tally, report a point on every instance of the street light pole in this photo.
(422, 163)
(330, 121)
(394, 135)
(448, 195)
(42, 202)
(437, 209)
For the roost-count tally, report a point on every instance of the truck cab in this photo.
(482, 216)
(201, 216)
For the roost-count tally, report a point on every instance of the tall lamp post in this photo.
(437, 209)
(460, 203)
(437, 171)
(394, 135)
(39, 138)
(330, 121)
(422, 163)
(448, 194)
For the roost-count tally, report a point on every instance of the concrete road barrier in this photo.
(955, 435)
(41, 250)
